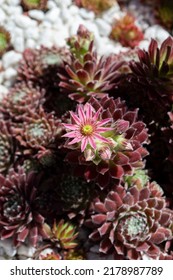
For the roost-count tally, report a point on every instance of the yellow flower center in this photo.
(87, 129)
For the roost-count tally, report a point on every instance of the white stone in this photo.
(46, 38)
(45, 252)
(86, 14)
(2, 16)
(3, 92)
(36, 14)
(144, 44)
(30, 43)
(13, 2)
(14, 11)
(74, 27)
(10, 74)
(11, 58)
(7, 245)
(17, 32)
(65, 15)
(52, 15)
(32, 33)
(24, 21)
(112, 13)
(103, 27)
(58, 25)
(156, 32)
(73, 9)
(63, 3)
(8, 83)
(51, 5)
(92, 27)
(10, 26)
(5, 7)
(59, 39)
(26, 251)
(18, 44)
(45, 24)
(1, 77)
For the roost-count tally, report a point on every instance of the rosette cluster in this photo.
(132, 223)
(106, 139)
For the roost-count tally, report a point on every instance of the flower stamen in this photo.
(87, 130)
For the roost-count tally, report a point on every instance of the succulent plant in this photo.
(74, 193)
(97, 6)
(42, 65)
(38, 133)
(4, 40)
(139, 178)
(6, 147)
(62, 235)
(164, 12)
(132, 223)
(126, 31)
(154, 72)
(34, 4)
(87, 75)
(21, 98)
(107, 140)
(51, 256)
(74, 255)
(19, 218)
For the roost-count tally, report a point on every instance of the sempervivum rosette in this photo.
(21, 97)
(87, 75)
(62, 235)
(38, 133)
(6, 147)
(34, 4)
(132, 223)
(19, 218)
(154, 73)
(106, 140)
(42, 65)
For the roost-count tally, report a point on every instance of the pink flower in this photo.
(86, 128)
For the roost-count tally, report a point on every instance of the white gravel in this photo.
(36, 28)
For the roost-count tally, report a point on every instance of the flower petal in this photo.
(84, 143)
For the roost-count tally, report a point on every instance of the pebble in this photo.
(51, 5)
(86, 14)
(73, 9)
(144, 44)
(3, 92)
(10, 74)
(46, 38)
(32, 33)
(24, 21)
(26, 251)
(110, 14)
(8, 247)
(14, 11)
(2, 16)
(64, 3)
(30, 43)
(1, 77)
(11, 58)
(19, 44)
(36, 14)
(156, 32)
(17, 32)
(103, 27)
(52, 15)
(13, 2)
